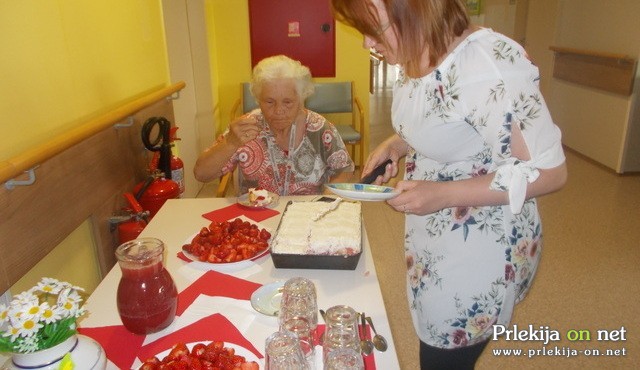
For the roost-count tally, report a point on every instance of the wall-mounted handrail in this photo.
(25, 161)
(598, 54)
(615, 73)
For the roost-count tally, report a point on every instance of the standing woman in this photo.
(479, 145)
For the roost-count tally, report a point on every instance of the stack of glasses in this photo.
(298, 318)
(292, 347)
(341, 343)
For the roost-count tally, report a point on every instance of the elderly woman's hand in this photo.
(243, 130)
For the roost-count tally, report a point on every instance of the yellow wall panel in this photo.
(64, 61)
(73, 261)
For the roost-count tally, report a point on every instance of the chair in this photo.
(335, 98)
(339, 97)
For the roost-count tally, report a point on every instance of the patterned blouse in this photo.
(261, 163)
(468, 266)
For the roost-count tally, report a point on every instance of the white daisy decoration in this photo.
(40, 317)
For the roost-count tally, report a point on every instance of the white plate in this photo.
(365, 192)
(240, 351)
(266, 299)
(243, 200)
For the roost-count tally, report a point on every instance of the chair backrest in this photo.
(248, 101)
(329, 97)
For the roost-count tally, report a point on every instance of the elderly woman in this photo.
(281, 147)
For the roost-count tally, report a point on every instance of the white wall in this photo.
(595, 123)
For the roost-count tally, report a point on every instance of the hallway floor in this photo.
(589, 278)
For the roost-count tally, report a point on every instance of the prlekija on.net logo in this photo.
(546, 335)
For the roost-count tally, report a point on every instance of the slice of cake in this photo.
(259, 197)
(337, 232)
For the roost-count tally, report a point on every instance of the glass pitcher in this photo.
(147, 296)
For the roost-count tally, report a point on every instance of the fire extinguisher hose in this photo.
(164, 138)
(144, 187)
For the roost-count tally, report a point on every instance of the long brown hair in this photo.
(419, 25)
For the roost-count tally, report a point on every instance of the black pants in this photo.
(464, 358)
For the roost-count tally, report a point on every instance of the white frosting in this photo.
(337, 232)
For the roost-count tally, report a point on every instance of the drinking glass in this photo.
(341, 330)
(299, 300)
(282, 352)
(302, 329)
(344, 359)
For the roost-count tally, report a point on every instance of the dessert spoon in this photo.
(324, 318)
(378, 340)
(366, 346)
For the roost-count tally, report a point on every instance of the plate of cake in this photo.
(304, 241)
(258, 198)
(362, 192)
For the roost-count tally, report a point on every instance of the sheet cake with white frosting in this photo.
(338, 232)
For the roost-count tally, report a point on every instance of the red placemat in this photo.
(216, 284)
(211, 328)
(120, 345)
(235, 210)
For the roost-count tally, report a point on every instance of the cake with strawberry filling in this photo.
(259, 197)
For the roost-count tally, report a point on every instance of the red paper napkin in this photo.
(369, 361)
(216, 284)
(211, 328)
(235, 210)
(120, 345)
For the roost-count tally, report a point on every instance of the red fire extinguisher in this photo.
(177, 166)
(131, 222)
(157, 188)
(153, 192)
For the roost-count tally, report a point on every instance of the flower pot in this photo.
(85, 352)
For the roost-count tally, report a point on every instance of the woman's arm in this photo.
(209, 164)
(424, 197)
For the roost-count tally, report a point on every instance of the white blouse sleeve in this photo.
(504, 92)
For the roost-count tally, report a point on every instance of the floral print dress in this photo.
(468, 266)
(321, 155)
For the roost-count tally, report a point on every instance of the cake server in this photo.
(330, 207)
(373, 175)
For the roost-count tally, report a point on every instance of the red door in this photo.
(300, 29)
